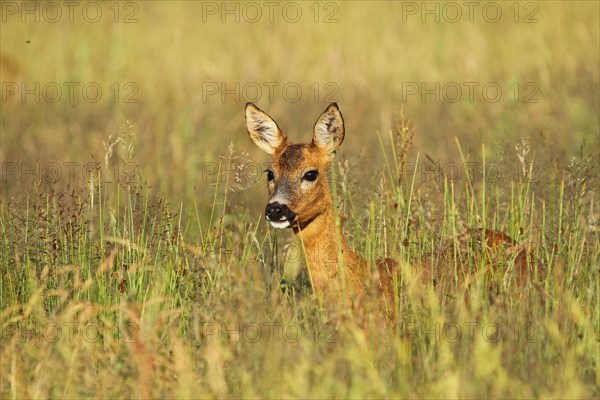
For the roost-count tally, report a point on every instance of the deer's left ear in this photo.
(329, 129)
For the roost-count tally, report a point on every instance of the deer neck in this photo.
(322, 243)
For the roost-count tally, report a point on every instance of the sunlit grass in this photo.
(129, 297)
(151, 271)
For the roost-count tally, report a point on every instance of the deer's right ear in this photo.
(263, 130)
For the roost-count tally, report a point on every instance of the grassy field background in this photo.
(135, 260)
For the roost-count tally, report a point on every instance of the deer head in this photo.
(297, 178)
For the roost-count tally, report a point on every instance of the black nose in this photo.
(279, 212)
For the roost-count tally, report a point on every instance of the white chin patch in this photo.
(280, 225)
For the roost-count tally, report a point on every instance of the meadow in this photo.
(135, 261)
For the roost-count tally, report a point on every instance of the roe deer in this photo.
(300, 199)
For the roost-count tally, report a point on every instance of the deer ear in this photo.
(329, 129)
(263, 130)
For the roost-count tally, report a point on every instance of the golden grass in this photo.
(158, 286)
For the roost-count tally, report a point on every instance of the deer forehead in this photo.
(297, 157)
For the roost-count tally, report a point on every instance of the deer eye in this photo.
(270, 175)
(311, 176)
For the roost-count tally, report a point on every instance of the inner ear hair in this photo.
(329, 128)
(263, 129)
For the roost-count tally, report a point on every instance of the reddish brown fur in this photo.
(334, 268)
(315, 227)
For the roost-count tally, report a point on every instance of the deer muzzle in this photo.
(279, 215)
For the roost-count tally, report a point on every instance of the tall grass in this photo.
(108, 291)
(153, 274)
